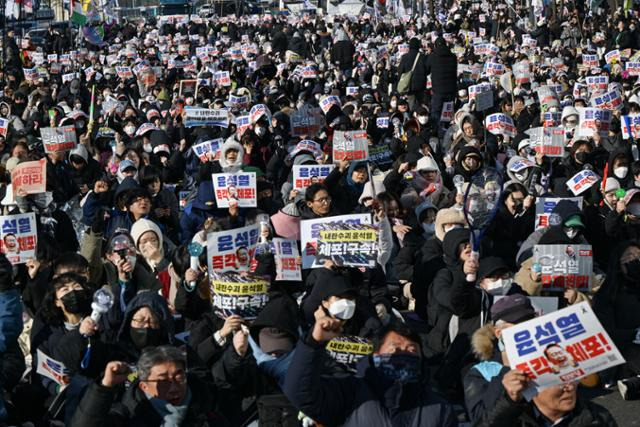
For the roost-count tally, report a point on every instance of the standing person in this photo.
(443, 67)
(342, 52)
(418, 77)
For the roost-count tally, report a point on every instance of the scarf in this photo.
(172, 415)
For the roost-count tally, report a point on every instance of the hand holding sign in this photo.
(515, 382)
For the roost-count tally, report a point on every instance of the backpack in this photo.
(404, 84)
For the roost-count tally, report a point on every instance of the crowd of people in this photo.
(123, 207)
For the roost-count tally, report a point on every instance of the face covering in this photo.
(76, 302)
(398, 367)
(499, 287)
(520, 177)
(501, 345)
(145, 337)
(393, 104)
(423, 120)
(633, 270)
(342, 309)
(620, 172)
(571, 232)
(582, 156)
(429, 228)
(148, 148)
(260, 131)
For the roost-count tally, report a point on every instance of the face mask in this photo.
(342, 309)
(621, 171)
(520, 177)
(423, 120)
(146, 337)
(398, 367)
(148, 148)
(393, 104)
(76, 302)
(581, 157)
(499, 287)
(571, 232)
(130, 130)
(633, 270)
(42, 200)
(260, 131)
(429, 228)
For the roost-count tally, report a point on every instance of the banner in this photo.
(348, 350)
(305, 175)
(233, 293)
(29, 178)
(285, 253)
(348, 245)
(350, 145)
(58, 139)
(204, 148)
(560, 347)
(310, 234)
(565, 266)
(52, 369)
(630, 126)
(582, 181)
(500, 124)
(592, 119)
(546, 205)
(240, 187)
(205, 117)
(19, 237)
(232, 249)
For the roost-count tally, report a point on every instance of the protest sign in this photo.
(522, 72)
(560, 347)
(493, 68)
(551, 142)
(551, 119)
(500, 124)
(307, 145)
(484, 100)
(58, 139)
(240, 187)
(222, 78)
(188, 87)
(124, 72)
(380, 155)
(350, 145)
(565, 266)
(239, 101)
(597, 82)
(306, 122)
(582, 181)
(633, 68)
(630, 126)
(348, 245)
(611, 100)
(19, 237)
(305, 175)
(546, 205)
(52, 369)
(479, 88)
(4, 127)
(590, 60)
(205, 117)
(382, 122)
(232, 249)
(242, 124)
(233, 293)
(592, 120)
(203, 149)
(328, 101)
(259, 110)
(30, 74)
(447, 112)
(348, 350)
(285, 253)
(310, 234)
(29, 178)
(612, 56)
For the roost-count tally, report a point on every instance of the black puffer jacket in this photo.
(420, 72)
(443, 67)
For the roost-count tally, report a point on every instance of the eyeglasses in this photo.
(165, 384)
(141, 323)
(323, 200)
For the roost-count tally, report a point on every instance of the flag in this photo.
(78, 15)
(94, 35)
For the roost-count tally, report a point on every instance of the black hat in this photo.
(512, 309)
(490, 265)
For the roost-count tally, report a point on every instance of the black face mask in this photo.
(582, 156)
(146, 337)
(76, 302)
(633, 270)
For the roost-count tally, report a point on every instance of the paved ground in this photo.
(626, 413)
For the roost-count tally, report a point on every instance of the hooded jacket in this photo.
(443, 67)
(460, 169)
(344, 192)
(420, 72)
(224, 164)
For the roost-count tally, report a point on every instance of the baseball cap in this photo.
(512, 309)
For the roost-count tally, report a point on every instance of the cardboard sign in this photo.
(500, 124)
(565, 266)
(347, 350)
(29, 178)
(630, 126)
(204, 148)
(582, 181)
(348, 245)
(4, 127)
(592, 119)
(285, 253)
(52, 369)
(233, 293)
(328, 101)
(484, 100)
(305, 175)
(350, 145)
(545, 207)
(19, 237)
(597, 82)
(232, 250)
(58, 139)
(633, 68)
(611, 100)
(205, 117)
(447, 112)
(560, 347)
(240, 187)
(551, 143)
(310, 234)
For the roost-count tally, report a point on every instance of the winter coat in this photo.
(342, 53)
(616, 305)
(366, 399)
(420, 72)
(443, 67)
(344, 196)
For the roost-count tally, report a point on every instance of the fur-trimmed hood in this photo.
(483, 342)
(228, 145)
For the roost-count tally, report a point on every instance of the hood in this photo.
(451, 242)
(448, 216)
(422, 207)
(464, 152)
(143, 225)
(427, 163)
(367, 191)
(4, 104)
(328, 283)
(620, 152)
(280, 312)
(565, 209)
(81, 151)
(304, 159)
(567, 111)
(483, 342)
(205, 194)
(127, 184)
(414, 44)
(157, 305)
(229, 144)
(525, 171)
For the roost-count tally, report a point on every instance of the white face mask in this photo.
(260, 131)
(520, 177)
(571, 232)
(620, 171)
(499, 287)
(393, 104)
(130, 130)
(429, 228)
(148, 148)
(423, 120)
(342, 309)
